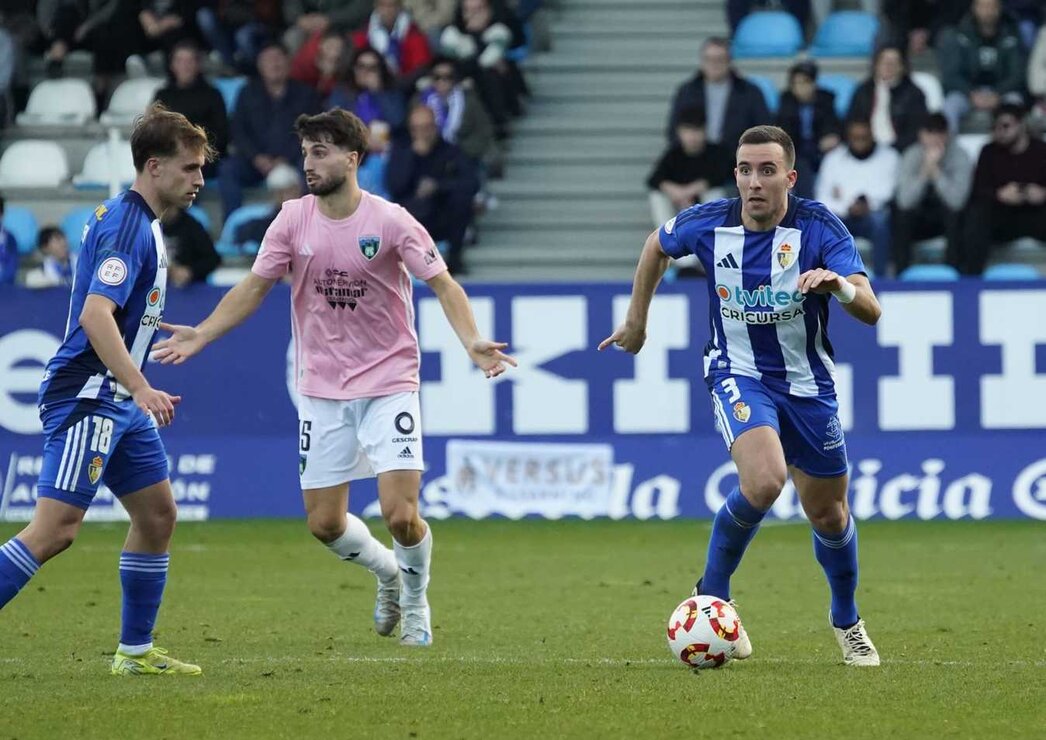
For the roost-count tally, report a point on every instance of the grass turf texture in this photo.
(542, 629)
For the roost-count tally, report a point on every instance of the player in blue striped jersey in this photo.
(773, 263)
(99, 413)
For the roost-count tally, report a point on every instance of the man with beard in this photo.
(356, 358)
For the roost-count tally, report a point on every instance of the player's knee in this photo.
(830, 519)
(58, 540)
(326, 528)
(402, 522)
(763, 488)
(158, 523)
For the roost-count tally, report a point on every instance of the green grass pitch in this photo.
(542, 629)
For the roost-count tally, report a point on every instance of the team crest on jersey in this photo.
(742, 411)
(785, 256)
(94, 470)
(100, 211)
(302, 460)
(154, 297)
(370, 245)
(113, 271)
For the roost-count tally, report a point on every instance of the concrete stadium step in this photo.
(556, 63)
(583, 144)
(630, 210)
(540, 274)
(601, 111)
(553, 249)
(598, 84)
(683, 46)
(585, 174)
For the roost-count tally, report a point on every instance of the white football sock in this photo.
(358, 545)
(414, 564)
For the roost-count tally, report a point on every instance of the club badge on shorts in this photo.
(742, 411)
(370, 245)
(94, 470)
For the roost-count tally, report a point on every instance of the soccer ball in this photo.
(703, 632)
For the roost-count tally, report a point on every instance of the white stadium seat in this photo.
(68, 102)
(100, 161)
(931, 87)
(33, 163)
(972, 144)
(130, 100)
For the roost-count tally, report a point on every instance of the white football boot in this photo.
(743, 648)
(417, 624)
(387, 606)
(856, 645)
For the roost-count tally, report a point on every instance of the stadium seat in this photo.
(930, 273)
(1012, 271)
(33, 163)
(130, 100)
(99, 164)
(65, 102)
(202, 216)
(230, 88)
(519, 54)
(227, 245)
(846, 33)
(73, 223)
(770, 92)
(23, 227)
(771, 33)
(972, 144)
(931, 87)
(843, 87)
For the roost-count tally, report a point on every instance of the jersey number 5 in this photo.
(306, 436)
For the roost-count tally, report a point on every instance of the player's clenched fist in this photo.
(627, 337)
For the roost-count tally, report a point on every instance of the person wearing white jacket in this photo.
(857, 182)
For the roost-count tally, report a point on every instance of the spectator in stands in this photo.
(188, 92)
(310, 19)
(432, 16)
(690, 171)
(1008, 200)
(56, 266)
(283, 183)
(1037, 80)
(435, 181)
(392, 33)
(460, 114)
(263, 126)
(323, 65)
(369, 90)
(915, 25)
(736, 10)
(166, 22)
(730, 102)
(8, 252)
(1028, 15)
(237, 29)
(191, 254)
(807, 113)
(933, 186)
(982, 62)
(479, 40)
(890, 100)
(856, 182)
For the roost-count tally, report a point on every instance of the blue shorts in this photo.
(92, 442)
(809, 428)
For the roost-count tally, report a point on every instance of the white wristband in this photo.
(847, 293)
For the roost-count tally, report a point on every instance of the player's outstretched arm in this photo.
(232, 310)
(486, 354)
(631, 335)
(853, 292)
(100, 326)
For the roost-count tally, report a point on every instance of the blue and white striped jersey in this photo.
(122, 257)
(761, 325)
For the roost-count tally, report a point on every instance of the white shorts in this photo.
(341, 441)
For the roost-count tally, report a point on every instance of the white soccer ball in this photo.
(703, 632)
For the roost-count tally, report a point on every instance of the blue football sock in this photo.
(17, 566)
(837, 554)
(734, 527)
(143, 578)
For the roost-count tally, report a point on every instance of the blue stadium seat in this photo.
(200, 215)
(227, 245)
(843, 87)
(1012, 271)
(371, 174)
(770, 92)
(846, 33)
(771, 33)
(520, 53)
(73, 225)
(930, 273)
(23, 227)
(230, 88)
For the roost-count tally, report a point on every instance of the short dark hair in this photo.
(47, 234)
(720, 41)
(1009, 108)
(858, 121)
(158, 132)
(770, 135)
(890, 46)
(935, 123)
(692, 117)
(271, 43)
(445, 61)
(806, 67)
(342, 129)
(1, 204)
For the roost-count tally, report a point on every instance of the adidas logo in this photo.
(728, 262)
(406, 453)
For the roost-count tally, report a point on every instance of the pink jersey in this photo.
(352, 313)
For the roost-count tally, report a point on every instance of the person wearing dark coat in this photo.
(190, 250)
(890, 100)
(807, 114)
(731, 103)
(435, 181)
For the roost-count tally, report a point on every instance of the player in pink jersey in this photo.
(351, 255)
